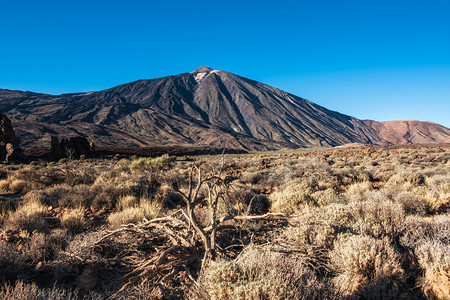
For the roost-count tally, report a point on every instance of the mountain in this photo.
(203, 107)
(410, 132)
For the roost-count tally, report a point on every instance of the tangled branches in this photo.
(178, 246)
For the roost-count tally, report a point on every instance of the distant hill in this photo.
(203, 107)
(410, 132)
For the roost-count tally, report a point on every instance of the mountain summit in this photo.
(206, 106)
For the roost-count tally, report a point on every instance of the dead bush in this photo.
(41, 247)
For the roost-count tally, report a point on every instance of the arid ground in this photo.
(340, 223)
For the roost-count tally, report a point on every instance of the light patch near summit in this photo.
(200, 76)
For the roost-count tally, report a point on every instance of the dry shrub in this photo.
(6, 205)
(317, 228)
(4, 185)
(127, 201)
(293, 198)
(147, 209)
(437, 193)
(400, 179)
(434, 259)
(11, 264)
(28, 216)
(359, 191)
(103, 196)
(73, 220)
(419, 230)
(242, 201)
(30, 291)
(377, 219)
(328, 196)
(412, 204)
(67, 196)
(367, 267)
(143, 164)
(18, 186)
(260, 274)
(251, 176)
(269, 177)
(42, 246)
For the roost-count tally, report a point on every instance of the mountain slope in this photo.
(206, 107)
(410, 132)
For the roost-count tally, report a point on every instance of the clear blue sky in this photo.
(382, 60)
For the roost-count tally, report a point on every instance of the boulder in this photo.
(88, 279)
(9, 144)
(70, 148)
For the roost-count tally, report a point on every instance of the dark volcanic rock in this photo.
(70, 148)
(9, 144)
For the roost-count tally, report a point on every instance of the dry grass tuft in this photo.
(73, 220)
(29, 216)
(146, 209)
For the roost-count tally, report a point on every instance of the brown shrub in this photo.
(359, 191)
(377, 219)
(26, 291)
(18, 186)
(412, 204)
(73, 220)
(293, 198)
(434, 259)
(367, 267)
(28, 216)
(44, 246)
(328, 196)
(261, 274)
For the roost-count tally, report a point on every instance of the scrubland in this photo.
(363, 223)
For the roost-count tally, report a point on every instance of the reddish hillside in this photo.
(410, 132)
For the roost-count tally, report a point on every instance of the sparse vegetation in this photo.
(363, 223)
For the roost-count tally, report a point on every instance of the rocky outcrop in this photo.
(9, 144)
(70, 148)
